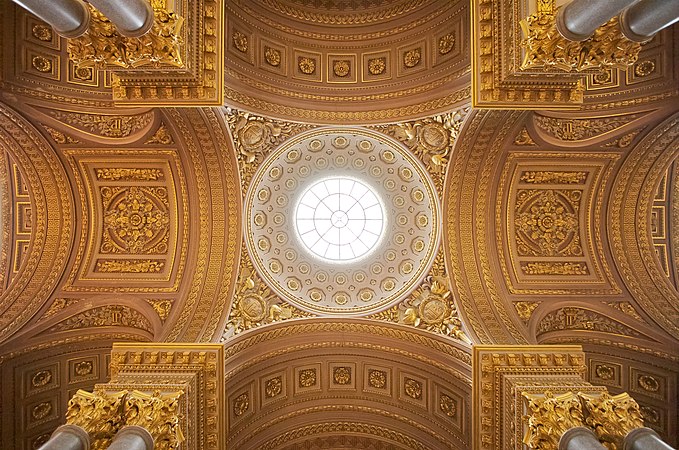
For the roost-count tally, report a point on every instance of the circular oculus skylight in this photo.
(341, 221)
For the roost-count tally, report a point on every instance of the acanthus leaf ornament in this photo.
(547, 49)
(98, 413)
(158, 413)
(612, 416)
(550, 416)
(103, 47)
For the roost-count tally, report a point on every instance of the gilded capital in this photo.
(550, 417)
(612, 416)
(98, 413)
(158, 413)
(545, 48)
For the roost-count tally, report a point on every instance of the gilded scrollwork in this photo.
(105, 316)
(567, 129)
(109, 126)
(431, 140)
(525, 309)
(255, 137)
(572, 318)
(430, 307)
(103, 47)
(547, 222)
(255, 304)
(545, 48)
(136, 219)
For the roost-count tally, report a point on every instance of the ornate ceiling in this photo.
(141, 224)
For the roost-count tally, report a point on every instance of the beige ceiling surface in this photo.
(127, 225)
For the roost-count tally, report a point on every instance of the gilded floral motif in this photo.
(41, 378)
(129, 174)
(377, 66)
(604, 372)
(83, 368)
(41, 64)
(307, 378)
(412, 58)
(240, 41)
(554, 268)
(272, 56)
(42, 32)
(547, 222)
(129, 266)
(447, 405)
(412, 388)
(41, 410)
(341, 375)
(377, 378)
(446, 43)
(306, 65)
(241, 404)
(341, 68)
(644, 68)
(136, 219)
(553, 177)
(273, 387)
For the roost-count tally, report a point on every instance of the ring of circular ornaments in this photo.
(370, 207)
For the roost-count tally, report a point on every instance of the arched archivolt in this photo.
(51, 223)
(322, 379)
(629, 232)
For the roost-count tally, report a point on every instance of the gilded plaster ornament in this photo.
(161, 137)
(525, 309)
(99, 413)
(431, 140)
(549, 417)
(377, 66)
(255, 137)
(546, 49)
(255, 304)
(567, 129)
(430, 307)
(612, 417)
(158, 413)
(103, 47)
(272, 56)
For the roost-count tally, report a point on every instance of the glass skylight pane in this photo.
(348, 219)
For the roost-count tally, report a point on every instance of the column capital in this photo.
(98, 413)
(156, 413)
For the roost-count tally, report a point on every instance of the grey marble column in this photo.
(132, 18)
(68, 437)
(580, 438)
(642, 20)
(578, 20)
(644, 439)
(69, 18)
(132, 437)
